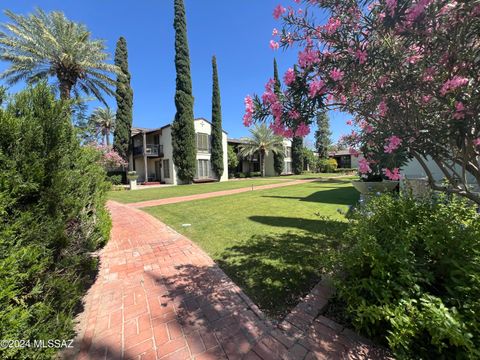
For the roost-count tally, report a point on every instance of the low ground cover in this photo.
(269, 242)
(185, 190)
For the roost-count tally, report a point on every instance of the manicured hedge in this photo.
(52, 196)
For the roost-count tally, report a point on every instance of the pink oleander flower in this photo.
(353, 152)
(361, 55)
(302, 130)
(274, 32)
(308, 57)
(276, 109)
(459, 111)
(332, 25)
(274, 45)
(391, 6)
(336, 74)
(392, 144)
(476, 142)
(316, 87)
(289, 76)
(364, 166)
(278, 11)
(393, 174)
(382, 108)
(294, 114)
(452, 84)
(426, 98)
(349, 122)
(382, 80)
(417, 9)
(248, 117)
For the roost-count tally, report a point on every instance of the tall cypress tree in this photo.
(124, 96)
(322, 135)
(183, 130)
(278, 157)
(217, 141)
(297, 155)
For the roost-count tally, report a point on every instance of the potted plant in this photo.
(132, 178)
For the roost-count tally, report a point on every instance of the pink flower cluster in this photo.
(459, 111)
(248, 117)
(278, 11)
(361, 55)
(336, 74)
(302, 130)
(110, 158)
(416, 10)
(393, 174)
(332, 25)
(452, 84)
(308, 57)
(392, 144)
(274, 45)
(476, 142)
(382, 108)
(316, 87)
(364, 166)
(289, 76)
(391, 6)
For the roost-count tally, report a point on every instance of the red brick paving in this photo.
(178, 199)
(158, 296)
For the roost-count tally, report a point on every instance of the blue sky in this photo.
(236, 32)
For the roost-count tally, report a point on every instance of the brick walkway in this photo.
(158, 296)
(178, 199)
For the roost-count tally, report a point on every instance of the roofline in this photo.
(147, 131)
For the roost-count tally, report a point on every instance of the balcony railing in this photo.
(150, 150)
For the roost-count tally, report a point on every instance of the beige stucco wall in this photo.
(269, 162)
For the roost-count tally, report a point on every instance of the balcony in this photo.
(152, 150)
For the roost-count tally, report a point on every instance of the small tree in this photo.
(217, 131)
(103, 120)
(297, 155)
(232, 159)
(322, 135)
(263, 141)
(407, 70)
(278, 162)
(124, 97)
(183, 130)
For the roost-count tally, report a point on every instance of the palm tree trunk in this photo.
(65, 89)
(107, 137)
(262, 162)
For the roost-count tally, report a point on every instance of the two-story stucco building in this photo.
(152, 154)
(252, 164)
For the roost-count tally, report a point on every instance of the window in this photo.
(203, 169)
(287, 169)
(166, 169)
(203, 142)
(288, 151)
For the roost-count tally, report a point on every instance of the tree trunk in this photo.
(262, 162)
(65, 89)
(107, 137)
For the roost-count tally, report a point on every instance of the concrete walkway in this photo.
(178, 199)
(159, 296)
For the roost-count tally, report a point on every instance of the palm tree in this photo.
(263, 140)
(103, 121)
(43, 45)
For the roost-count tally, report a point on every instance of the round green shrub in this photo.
(409, 274)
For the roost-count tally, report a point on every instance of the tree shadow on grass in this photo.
(275, 270)
(340, 196)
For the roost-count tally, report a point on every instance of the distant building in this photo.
(252, 164)
(152, 154)
(344, 159)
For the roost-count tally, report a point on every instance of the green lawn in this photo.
(184, 190)
(269, 242)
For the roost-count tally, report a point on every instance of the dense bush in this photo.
(326, 165)
(410, 275)
(52, 210)
(114, 179)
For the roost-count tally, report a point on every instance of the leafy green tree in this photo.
(52, 205)
(217, 132)
(308, 158)
(262, 141)
(183, 130)
(322, 135)
(103, 120)
(124, 96)
(297, 155)
(43, 45)
(232, 159)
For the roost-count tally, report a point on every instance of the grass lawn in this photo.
(184, 190)
(269, 242)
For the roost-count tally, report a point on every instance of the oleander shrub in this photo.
(52, 196)
(409, 274)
